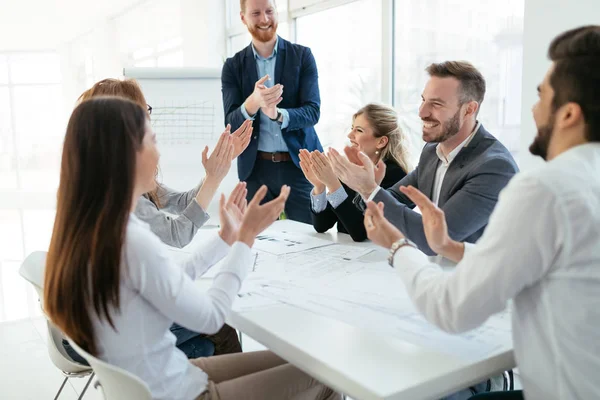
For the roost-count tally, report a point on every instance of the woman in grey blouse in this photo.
(189, 207)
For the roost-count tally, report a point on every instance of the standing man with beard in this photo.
(253, 82)
(462, 168)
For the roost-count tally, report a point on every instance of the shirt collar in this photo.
(273, 54)
(452, 155)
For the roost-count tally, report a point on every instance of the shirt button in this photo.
(254, 137)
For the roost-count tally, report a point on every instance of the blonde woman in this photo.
(377, 133)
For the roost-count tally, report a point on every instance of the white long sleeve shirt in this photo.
(154, 293)
(542, 249)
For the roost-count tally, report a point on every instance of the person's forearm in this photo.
(333, 186)
(318, 189)
(453, 251)
(251, 105)
(207, 192)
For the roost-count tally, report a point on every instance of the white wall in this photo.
(107, 47)
(204, 33)
(544, 19)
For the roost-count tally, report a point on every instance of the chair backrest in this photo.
(59, 355)
(117, 384)
(32, 270)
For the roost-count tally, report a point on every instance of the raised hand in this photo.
(309, 174)
(258, 217)
(218, 164)
(380, 169)
(434, 225)
(241, 137)
(324, 171)
(264, 98)
(231, 213)
(379, 230)
(352, 153)
(359, 178)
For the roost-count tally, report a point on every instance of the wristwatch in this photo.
(276, 119)
(395, 246)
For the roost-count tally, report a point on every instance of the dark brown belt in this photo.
(275, 157)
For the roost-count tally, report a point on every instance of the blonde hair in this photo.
(384, 122)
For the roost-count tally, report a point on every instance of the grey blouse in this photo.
(177, 230)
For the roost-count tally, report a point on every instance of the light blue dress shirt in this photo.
(270, 138)
(319, 202)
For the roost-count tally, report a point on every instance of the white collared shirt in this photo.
(440, 172)
(154, 292)
(442, 168)
(541, 248)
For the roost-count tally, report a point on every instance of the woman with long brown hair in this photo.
(175, 217)
(109, 278)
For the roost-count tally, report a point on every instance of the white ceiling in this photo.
(45, 24)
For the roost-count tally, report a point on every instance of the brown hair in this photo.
(384, 121)
(472, 83)
(97, 177)
(128, 89)
(576, 74)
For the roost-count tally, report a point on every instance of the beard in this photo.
(262, 35)
(540, 144)
(449, 128)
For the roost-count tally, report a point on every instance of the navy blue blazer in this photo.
(296, 70)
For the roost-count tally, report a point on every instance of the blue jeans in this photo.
(191, 343)
(276, 174)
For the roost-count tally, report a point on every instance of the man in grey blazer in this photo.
(462, 167)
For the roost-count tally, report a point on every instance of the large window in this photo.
(31, 134)
(346, 42)
(487, 33)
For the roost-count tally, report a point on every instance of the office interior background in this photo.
(366, 50)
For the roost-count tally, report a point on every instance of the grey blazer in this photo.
(468, 195)
(179, 228)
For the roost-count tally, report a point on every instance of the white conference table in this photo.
(355, 362)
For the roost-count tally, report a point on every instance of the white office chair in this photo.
(116, 383)
(32, 270)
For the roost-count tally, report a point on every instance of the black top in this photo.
(349, 218)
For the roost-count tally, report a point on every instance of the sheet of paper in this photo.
(373, 298)
(283, 242)
(330, 279)
(343, 251)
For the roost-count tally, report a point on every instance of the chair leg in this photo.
(61, 388)
(86, 386)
